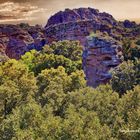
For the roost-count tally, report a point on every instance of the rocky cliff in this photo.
(15, 40)
(99, 33)
(100, 55)
(77, 24)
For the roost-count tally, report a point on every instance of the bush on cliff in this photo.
(131, 49)
(126, 76)
(69, 49)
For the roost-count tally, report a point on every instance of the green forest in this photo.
(44, 96)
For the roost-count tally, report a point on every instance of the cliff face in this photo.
(100, 55)
(101, 52)
(15, 40)
(77, 24)
(80, 14)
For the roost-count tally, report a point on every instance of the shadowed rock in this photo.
(100, 55)
(18, 39)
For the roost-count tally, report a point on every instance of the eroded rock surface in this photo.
(15, 40)
(78, 23)
(100, 55)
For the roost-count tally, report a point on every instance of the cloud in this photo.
(34, 11)
(11, 11)
(19, 1)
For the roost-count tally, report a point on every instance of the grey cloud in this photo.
(10, 11)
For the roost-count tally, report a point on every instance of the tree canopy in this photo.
(44, 96)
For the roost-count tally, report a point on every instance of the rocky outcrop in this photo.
(80, 14)
(78, 23)
(101, 52)
(15, 40)
(100, 55)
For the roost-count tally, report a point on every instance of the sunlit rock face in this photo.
(18, 39)
(80, 14)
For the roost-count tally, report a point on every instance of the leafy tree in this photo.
(77, 80)
(38, 62)
(29, 122)
(64, 53)
(29, 59)
(131, 49)
(55, 81)
(69, 49)
(82, 124)
(125, 76)
(54, 61)
(130, 114)
(16, 85)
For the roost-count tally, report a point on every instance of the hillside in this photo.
(100, 54)
(77, 78)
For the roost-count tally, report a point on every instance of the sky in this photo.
(38, 11)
